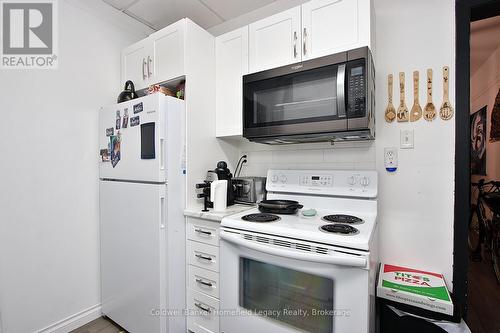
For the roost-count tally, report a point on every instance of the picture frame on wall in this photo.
(495, 120)
(478, 141)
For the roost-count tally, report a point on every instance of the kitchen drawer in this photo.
(198, 320)
(202, 255)
(203, 280)
(203, 231)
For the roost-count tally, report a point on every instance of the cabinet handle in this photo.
(304, 41)
(201, 307)
(201, 256)
(203, 232)
(295, 44)
(149, 62)
(144, 76)
(208, 284)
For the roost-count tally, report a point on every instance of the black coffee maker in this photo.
(220, 173)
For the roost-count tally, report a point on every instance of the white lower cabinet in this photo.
(202, 316)
(203, 255)
(202, 292)
(203, 280)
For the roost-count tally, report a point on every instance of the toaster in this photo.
(249, 189)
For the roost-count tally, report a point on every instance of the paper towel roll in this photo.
(218, 194)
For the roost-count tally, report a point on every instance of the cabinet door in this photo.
(134, 64)
(328, 26)
(275, 41)
(231, 63)
(166, 57)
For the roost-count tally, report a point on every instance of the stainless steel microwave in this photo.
(331, 98)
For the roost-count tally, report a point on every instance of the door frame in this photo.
(466, 11)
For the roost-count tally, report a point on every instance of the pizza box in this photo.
(414, 287)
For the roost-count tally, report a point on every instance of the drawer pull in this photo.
(203, 232)
(208, 284)
(203, 308)
(201, 256)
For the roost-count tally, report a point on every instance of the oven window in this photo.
(299, 299)
(307, 96)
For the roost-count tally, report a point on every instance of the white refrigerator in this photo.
(141, 199)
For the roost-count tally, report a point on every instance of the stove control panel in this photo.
(362, 184)
(316, 180)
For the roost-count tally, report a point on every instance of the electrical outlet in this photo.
(406, 139)
(391, 159)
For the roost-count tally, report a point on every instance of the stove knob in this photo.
(274, 178)
(283, 178)
(365, 181)
(351, 180)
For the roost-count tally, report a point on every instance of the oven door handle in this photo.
(337, 259)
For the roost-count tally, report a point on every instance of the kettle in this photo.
(127, 94)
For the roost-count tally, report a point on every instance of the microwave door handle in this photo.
(337, 259)
(341, 91)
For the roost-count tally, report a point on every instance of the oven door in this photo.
(268, 288)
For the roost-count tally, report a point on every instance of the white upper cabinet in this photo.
(231, 63)
(330, 26)
(167, 55)
(275, 41)
(134, 64)
(157, 58)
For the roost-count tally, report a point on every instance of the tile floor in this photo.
(100, 325)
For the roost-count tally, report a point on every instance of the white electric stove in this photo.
(288, 273)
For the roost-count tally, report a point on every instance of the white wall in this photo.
(484, 88)
(203, 149)
(49, 248)
(415, 203)
(341, 156)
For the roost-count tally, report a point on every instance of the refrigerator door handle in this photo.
(162, 213)
(162, 153)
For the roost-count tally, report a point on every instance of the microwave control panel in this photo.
(356, 81)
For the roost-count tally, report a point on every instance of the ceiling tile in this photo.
(229, 9)
(161, 13)
(120, 4)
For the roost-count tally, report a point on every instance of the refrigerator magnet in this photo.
(138, 108)
(115, 150)
(134, 121)
(125, 119)
(104, 155)
(110, 131)
(118, 120)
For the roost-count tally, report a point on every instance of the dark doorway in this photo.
(468, 11)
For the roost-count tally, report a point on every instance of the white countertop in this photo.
(216, 216)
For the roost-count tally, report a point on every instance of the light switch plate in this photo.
(406, 140)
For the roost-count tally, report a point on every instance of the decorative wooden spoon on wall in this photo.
(402, 113)
(390, 111)
(446, 111)
(416, 110)
(429, 109)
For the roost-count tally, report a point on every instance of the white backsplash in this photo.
(341, 156)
